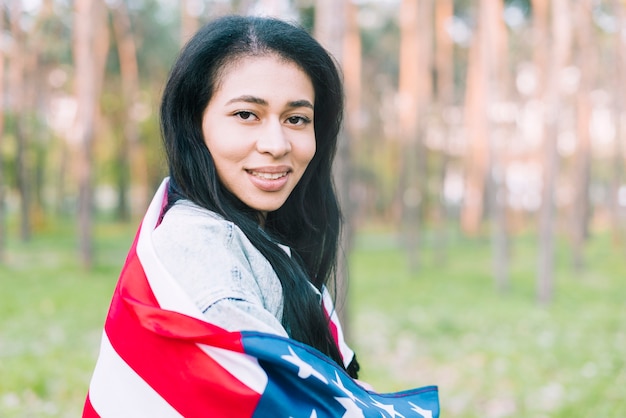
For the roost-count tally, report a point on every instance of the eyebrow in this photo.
(263, 102)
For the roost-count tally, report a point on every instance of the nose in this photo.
(273, 140)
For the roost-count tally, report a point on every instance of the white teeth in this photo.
(268, 176)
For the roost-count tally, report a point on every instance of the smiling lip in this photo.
(269, 179)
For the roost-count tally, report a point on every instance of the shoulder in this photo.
(186, 220)
(192, 227)
(195, 242)
(212, 259)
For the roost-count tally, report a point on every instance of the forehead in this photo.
(269, 73)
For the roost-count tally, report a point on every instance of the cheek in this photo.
(308, 150)
(223, 150)
(311, 153)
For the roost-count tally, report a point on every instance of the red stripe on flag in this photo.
(333, 330)
(185, 376)
(88, 411)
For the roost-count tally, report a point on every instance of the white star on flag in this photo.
(340, 385)
(352, 411)
(423, 412)
(387, 408)
(305, 370)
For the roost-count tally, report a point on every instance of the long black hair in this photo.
(309, 222)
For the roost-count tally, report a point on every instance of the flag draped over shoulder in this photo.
(160, 358)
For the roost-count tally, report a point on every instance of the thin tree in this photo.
(424, 99)
(559, 47)
(37, 97)
(130, 149)
(351, 66)
(617, 176)
(188, 20)
(90, 47)
(3, 232)
(475, 122)
(586, 62)
(352, 72)
(485, 88)
(415, 93)
(444, 69)
(494, 38)
(17, 94)
(406, 102)
(330, 31)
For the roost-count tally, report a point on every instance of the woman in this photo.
(223, 292)
(250, 117)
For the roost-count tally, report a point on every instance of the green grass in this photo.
(491, 354)
(51, 317)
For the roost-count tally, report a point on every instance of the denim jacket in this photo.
(228, 279)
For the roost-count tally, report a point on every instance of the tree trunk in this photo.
(444, 54)
(542, 44)
(617, 229)
(131, 158)
(37, 97)
(17, 95)
(407, 102)
(86, 97)
(61, 178)
(581, 207)
(493, 38)
(559, 48)
(188, 21)
(424, 99)
(444, 68)
(477, 157)
(414, 92)
(3, 231)
(352, 72)
(330, 31)
(90, 47)
(351, 65)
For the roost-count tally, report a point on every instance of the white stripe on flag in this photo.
(117, 391)
(244, 367)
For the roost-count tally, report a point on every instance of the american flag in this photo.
(160, 358)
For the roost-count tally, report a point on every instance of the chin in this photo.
(268, 206)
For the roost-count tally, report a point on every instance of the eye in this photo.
(298, 120)
(245, 115)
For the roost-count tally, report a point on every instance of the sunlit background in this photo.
(481, 173)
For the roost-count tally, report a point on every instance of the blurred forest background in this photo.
(496, 124)
(498, 117)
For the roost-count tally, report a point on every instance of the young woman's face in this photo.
(258, 127)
